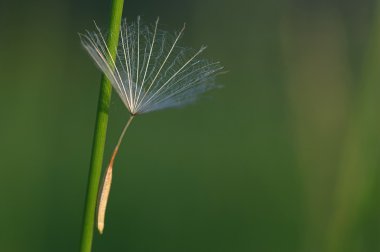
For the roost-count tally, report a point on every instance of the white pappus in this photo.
(151, 71)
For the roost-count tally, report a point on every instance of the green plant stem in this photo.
(100, 133)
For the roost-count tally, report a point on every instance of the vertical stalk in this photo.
(100, 133)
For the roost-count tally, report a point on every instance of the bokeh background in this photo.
(285, 157)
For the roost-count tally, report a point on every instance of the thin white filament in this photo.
(147, 65)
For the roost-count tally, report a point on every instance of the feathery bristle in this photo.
(151, 71)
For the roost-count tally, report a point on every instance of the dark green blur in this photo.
(284, 157)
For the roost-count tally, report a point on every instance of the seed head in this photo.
(151, 70)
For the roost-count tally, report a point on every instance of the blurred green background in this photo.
(284, 158)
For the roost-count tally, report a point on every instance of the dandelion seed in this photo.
(151, 71)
